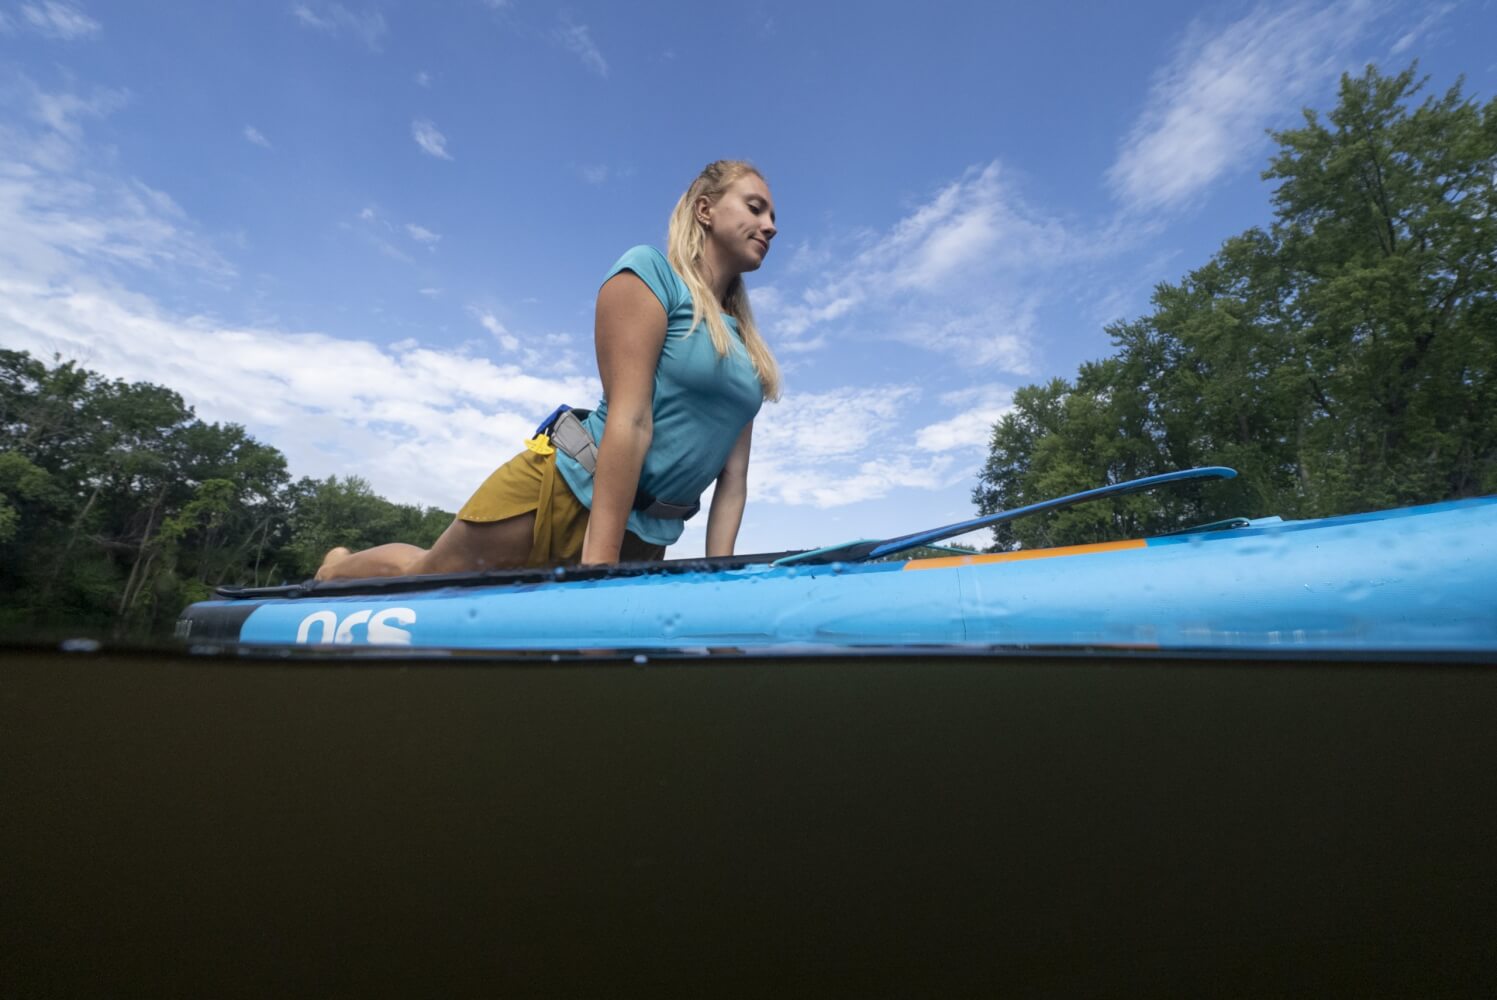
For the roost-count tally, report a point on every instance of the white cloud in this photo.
(431, 141)
(803, 345)
(253, 135)
(374, 232)
(1208, 109)
(550, 352)
(63, 113)
(379, 232)
(595, 173)
(971, 427)
(837, 424)
(999, 334)
(491, 323)
(578, 40)
(335, 19)
(813, 449)
(1414, 35)
(962, 274)
(56, 19)
(423, 79)
(59, 212)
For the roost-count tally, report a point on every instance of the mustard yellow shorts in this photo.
(529, 482)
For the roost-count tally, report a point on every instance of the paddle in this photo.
(866, 549)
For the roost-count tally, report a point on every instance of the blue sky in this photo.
(372, 231)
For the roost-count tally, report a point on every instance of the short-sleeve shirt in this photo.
(702, 403)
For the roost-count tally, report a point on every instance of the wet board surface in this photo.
(908, 825)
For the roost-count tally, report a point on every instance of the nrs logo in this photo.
(384, 627)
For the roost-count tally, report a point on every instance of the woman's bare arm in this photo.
(729, 496)
(629, 331)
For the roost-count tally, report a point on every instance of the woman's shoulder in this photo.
(644, 250)
(651, 266)
(642, 255)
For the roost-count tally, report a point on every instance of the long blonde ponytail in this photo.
(684, 247)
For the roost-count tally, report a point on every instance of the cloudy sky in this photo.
(372, 230)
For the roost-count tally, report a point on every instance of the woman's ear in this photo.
(704, 211)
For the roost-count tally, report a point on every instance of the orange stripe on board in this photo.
(948, 562)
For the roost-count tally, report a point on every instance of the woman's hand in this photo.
(729, 496)
(628, 332)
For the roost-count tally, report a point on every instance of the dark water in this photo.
(913, 824)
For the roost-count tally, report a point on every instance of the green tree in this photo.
(1341, 360)
(25, 490)
(118, 505)
(1387, 223)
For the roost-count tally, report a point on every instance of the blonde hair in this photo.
(684, 244)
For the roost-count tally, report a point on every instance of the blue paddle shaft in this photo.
(904, 542)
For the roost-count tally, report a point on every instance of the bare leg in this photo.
(469, 546)
(395, 559)
(464, 547)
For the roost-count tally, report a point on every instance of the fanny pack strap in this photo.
(650, 507)
(564, 427)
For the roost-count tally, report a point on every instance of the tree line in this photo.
(1340, 359)
(118, 506)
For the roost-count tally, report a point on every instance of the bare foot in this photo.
(334, 556)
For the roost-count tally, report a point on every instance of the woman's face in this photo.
(740, 225)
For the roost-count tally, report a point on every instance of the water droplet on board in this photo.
(640, 659)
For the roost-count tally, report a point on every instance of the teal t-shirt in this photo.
(702, 403)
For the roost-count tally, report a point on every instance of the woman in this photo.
(677, 411)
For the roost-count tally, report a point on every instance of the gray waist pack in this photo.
(571, 438)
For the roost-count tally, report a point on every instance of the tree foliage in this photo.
(118, 506)
(1341, 359)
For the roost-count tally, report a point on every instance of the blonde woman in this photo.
(684, 372)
